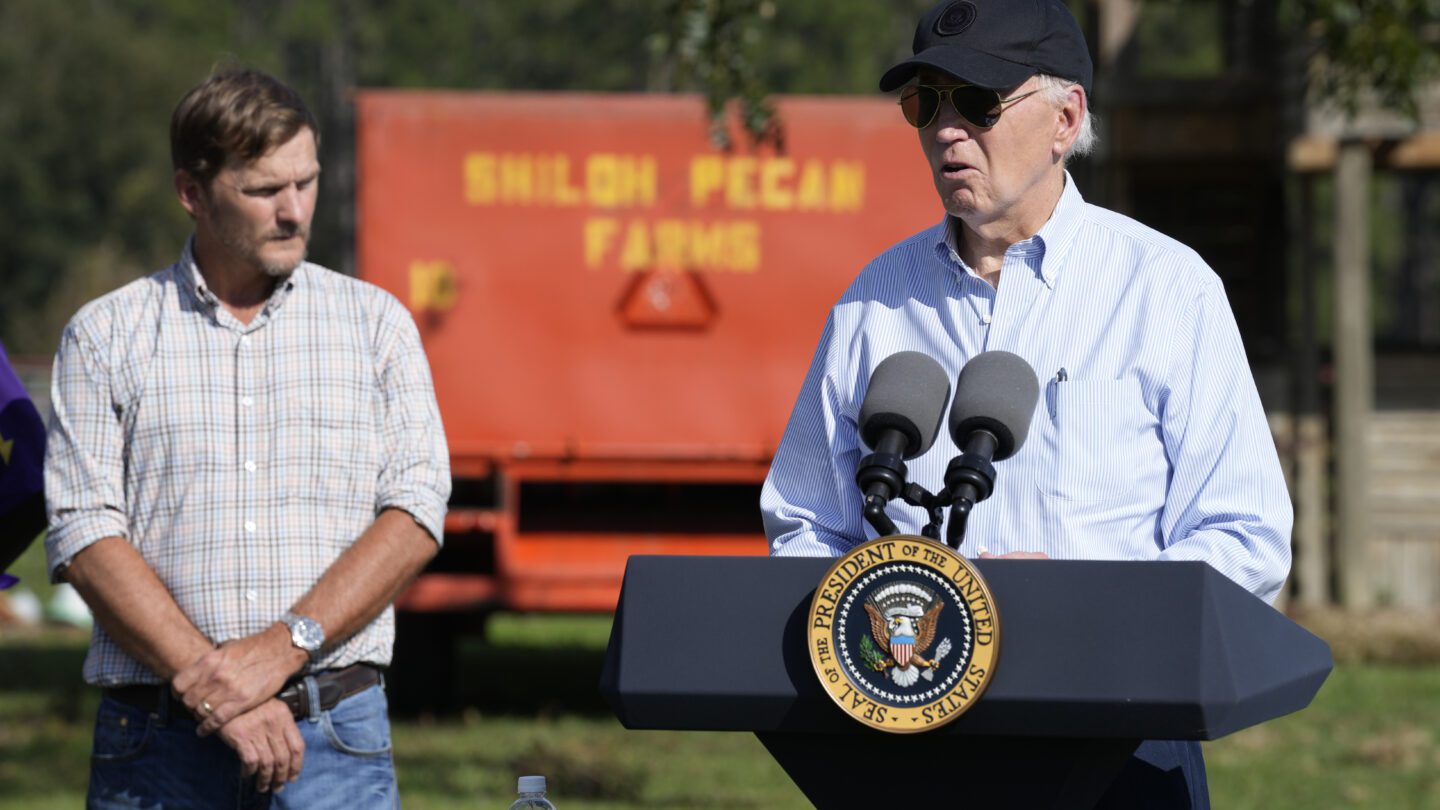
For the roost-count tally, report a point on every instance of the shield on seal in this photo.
(901, 648)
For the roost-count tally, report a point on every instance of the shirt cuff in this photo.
(425, 506)
(78, 531)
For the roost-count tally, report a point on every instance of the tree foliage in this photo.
(1388, 47)
(711, 45)
(85, 155)
(86, 199)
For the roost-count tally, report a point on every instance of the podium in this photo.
(1094, 658)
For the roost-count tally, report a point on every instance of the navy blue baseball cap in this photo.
(997, 44)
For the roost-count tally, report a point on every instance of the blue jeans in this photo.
(152, 759)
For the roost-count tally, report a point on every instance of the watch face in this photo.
(306, 633)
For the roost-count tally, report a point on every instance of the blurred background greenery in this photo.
(88, 85)
(86, 202)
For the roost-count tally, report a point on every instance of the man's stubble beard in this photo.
(240, 245)
(277, 271)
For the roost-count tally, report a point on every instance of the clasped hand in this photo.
(232, 689)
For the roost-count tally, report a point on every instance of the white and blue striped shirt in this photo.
(1153, 447)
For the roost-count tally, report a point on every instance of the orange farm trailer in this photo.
(618, 314)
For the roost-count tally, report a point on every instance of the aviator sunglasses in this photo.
(978, 105)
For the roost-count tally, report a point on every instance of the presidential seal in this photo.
(903, 634)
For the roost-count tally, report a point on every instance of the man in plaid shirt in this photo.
(245, 466)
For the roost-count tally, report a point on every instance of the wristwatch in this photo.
(305, 633)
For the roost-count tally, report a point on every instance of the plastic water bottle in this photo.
(532, 794)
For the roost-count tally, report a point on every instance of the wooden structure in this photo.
(1219, 148)
(1386, 426)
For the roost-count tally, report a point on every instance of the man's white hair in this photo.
(1054, 90)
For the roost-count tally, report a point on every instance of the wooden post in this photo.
(1354, 373)
(1311, 538)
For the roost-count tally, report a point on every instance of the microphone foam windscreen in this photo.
(997, 391)
(907, 392)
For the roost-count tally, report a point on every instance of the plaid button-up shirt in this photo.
(240, 459)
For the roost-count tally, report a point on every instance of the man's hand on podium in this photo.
(1014, 555)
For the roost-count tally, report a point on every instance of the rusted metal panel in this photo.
(593, 280)
(614, 309)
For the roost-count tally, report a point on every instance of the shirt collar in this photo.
(1052, 242)
(1058, 233)
(946, 247)
(188, 276)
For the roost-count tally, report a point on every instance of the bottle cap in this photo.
(531, 784)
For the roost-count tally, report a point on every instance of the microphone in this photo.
(899, 420)
(995, 399)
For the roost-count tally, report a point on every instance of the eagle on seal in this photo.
(904, 631)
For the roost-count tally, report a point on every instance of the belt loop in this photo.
(162, 704)
(312, 693)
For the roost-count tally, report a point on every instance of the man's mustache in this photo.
(288, 233)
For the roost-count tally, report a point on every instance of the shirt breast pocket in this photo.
(334, 445)
(1103, 439)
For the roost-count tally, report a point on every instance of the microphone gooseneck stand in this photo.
(969, 479)
(881, 476)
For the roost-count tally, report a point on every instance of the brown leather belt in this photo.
(334, 685)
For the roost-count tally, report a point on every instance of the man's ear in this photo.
(1067, 120)
(191, 193)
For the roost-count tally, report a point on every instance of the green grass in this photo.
(590, 762)
(1371, 739)
(529, 705)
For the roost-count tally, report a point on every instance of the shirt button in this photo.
(249, 466)
(249, 525)
(246, 401)
(250, 596)
(985, 319)
(244, 340)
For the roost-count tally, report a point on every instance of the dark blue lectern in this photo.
(1094, 658)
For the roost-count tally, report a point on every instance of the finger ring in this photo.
(205, 707)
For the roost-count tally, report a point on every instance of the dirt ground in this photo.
(1405, 637)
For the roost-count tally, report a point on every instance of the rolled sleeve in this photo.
(416, 474)
(1227, 504)
(808, 502)
(85, 453)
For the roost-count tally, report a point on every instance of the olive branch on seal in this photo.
(871, 654)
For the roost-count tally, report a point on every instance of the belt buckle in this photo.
(330, 688)
(296, 696)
